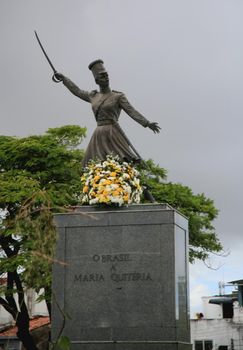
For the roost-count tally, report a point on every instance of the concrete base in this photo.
(142, 345)
(122, 278)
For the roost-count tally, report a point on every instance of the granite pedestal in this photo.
(122, 277)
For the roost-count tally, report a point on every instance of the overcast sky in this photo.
(180, 63)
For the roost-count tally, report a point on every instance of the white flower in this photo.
(94, 201)
(114, 186)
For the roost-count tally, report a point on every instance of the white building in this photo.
(35, 308)
(220, 326)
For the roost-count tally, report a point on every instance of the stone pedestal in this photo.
(122, 278)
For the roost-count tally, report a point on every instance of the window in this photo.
(208, 345)
(228, 310)
(198, 345)
(203, 344)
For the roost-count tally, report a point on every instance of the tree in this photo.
(199, 210)
(40, 175)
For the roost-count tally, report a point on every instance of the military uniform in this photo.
(108, 138)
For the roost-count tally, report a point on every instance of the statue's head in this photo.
(99, 72)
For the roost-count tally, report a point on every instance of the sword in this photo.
(54, 78)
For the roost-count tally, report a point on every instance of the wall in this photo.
(211, 311)
(221, 331)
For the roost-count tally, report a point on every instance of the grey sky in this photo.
(180, 63)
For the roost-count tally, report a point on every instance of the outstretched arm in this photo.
(133, 113)
(84, 95)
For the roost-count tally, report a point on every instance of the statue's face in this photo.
(102, 79)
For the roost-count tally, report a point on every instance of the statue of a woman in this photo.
(108, 137)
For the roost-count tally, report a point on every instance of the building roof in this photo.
(34, 323)
(222, 300)
(239, 282)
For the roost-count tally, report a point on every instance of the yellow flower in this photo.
(126, 198)
(107, 182)
(117, 192)
(103, 199)
(85, 189)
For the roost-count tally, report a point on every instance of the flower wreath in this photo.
(110, 182)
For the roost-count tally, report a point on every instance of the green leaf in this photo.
(63, 343)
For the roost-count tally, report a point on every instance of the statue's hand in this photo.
(155, 127)
(59, 76)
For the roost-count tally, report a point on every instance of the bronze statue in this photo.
(108, 137)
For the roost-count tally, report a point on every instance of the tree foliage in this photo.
(199, 210)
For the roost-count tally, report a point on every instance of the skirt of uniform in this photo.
(106, 140)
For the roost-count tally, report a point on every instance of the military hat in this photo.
(97, 67)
